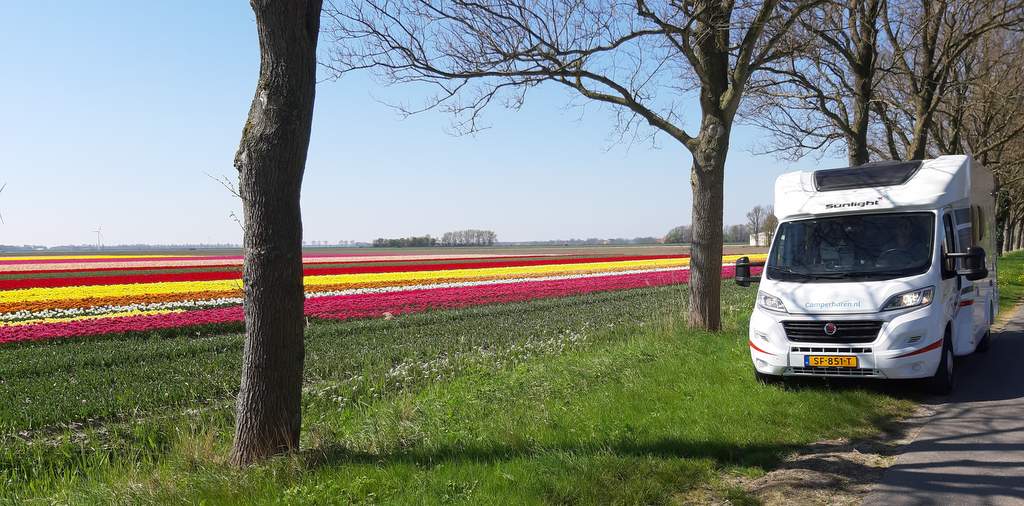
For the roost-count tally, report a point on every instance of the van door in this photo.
(984, 290)
(953, 292)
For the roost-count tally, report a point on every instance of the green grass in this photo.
(603, 398)
(1011, 279)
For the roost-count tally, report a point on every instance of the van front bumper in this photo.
(907, 346)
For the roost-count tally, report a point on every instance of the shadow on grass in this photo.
(900, 389)
(722, 454)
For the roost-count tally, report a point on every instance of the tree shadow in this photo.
(764, 456)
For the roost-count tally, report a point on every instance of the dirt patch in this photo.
(833, 472)
(1004, 317)
(836, 471)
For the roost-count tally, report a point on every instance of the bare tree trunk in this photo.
(918, 148)
(1008, 242)
(1011, 237)
(1018, 235)
(864, 69)
(271, 160)
(1014, 235)
(1000, 211)
(857, 143)
(707, 180)
(1001, 238)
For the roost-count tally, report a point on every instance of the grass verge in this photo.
(1011, 279)
(603, 398)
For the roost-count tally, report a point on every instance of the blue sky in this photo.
(114, 112)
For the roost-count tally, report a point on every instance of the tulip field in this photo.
(49, 297)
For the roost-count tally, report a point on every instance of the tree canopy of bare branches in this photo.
(643, 59)
(903, 79)
(926, 42)
(822, 95)
(871, 75)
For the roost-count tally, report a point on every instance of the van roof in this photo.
(913, 185)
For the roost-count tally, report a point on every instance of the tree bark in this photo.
(707, 178)
(271, 159)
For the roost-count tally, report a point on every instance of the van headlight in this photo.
(770, 302)
(906, 300)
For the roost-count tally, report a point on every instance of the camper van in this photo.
(877, 271)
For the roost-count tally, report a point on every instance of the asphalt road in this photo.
(972, 450)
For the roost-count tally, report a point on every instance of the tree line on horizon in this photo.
(760, 219)
(457, 238)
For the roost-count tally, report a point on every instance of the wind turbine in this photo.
(1, 215)
(99, 237)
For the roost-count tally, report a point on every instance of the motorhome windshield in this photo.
(852, 248)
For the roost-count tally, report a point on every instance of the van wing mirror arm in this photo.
(974, 260)
(743, 276)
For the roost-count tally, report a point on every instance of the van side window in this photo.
(948, 246)
(963, 216)
(964, 228)
(965, 237)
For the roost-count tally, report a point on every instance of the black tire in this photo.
(767, 379)
(944, 380)
(985, 343)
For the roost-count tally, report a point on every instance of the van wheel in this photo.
(767, 379)
(986, 342)
(943, 381)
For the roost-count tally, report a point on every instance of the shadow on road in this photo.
(972, 450)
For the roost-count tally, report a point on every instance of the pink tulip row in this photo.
(362, 305)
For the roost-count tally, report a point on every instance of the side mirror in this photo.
(972, 263)
(743, 277)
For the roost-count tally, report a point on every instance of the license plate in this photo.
(829, 361)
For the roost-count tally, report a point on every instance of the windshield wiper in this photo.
(858, 274)
(831, 275)
(902, 272)
(836, 275)
(787, 270)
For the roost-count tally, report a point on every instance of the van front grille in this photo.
(832, 371)
(845, 332)
(820, 349)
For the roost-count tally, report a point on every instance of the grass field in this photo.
(597, 398)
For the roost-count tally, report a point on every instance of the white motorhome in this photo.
(877, 271)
